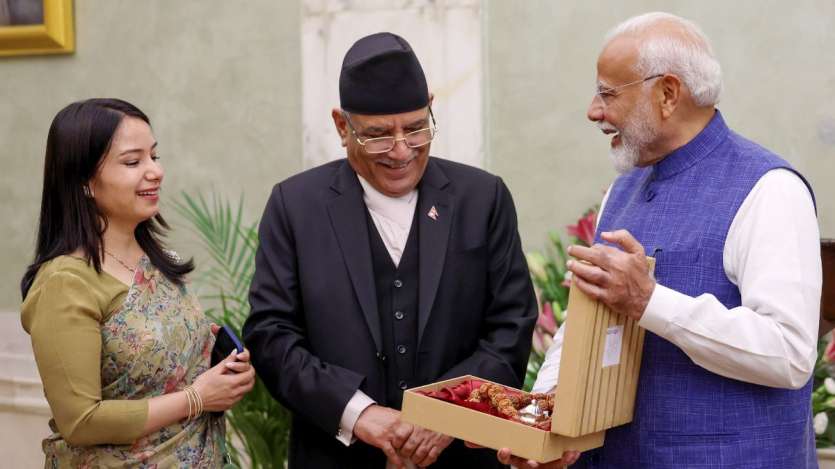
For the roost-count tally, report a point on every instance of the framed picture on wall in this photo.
(36, 27)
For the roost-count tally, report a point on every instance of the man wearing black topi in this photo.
(383, 271)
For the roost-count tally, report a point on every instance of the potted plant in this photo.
(260, 425)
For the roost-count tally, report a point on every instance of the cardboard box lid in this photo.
(599, 367)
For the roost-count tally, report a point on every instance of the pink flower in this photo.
(546, 319)
(829, 353)
(538, 341)
(584, 229)
(542, 340)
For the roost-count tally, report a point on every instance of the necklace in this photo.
(124, 264)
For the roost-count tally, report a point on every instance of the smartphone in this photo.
(224, 344)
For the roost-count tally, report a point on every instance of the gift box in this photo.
(598, 379)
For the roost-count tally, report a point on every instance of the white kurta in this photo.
(772, 254)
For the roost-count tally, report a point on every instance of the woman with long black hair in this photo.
(121, 345)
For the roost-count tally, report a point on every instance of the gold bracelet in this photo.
(194, 397)
(189, 398)
(199, 400)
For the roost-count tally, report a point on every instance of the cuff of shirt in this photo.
(359, 402)
(660, 310)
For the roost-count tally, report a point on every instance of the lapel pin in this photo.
(433, 213)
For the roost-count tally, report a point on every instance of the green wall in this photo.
(779, 77)
(219, 79)
(221, 82)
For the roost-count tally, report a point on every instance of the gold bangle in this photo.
(194, 397)
(199, 401)
(188, 399)
(192, 406)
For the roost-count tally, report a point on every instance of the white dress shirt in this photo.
(393, 218)
(772, 254)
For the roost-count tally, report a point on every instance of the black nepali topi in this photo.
(381, 75)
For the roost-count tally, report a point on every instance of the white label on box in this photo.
(614, 341)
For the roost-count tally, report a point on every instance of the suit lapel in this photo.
(435, 210)
(347, 213)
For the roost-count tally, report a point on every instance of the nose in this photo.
(595, 111)
(154, 172)
(400, 151)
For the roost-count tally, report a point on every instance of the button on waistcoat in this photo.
(397, 303)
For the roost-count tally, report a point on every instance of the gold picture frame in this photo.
(54, 36)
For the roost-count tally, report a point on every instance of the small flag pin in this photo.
(433, 213)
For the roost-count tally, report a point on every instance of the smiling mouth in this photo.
(395, 164)
(149, 193)
(614, 133)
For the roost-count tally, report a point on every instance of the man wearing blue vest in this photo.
(732, 311)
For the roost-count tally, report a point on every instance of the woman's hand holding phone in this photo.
(225, 383)
(219, 389)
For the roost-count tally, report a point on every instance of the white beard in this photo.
(624, 157)
(637, 133)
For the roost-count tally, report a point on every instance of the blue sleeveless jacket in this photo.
(686, 416)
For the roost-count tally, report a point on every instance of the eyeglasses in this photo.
(415, 139)
(607, 94)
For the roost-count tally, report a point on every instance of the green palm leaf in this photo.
(260, 423)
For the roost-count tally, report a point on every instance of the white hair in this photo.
(687, 55)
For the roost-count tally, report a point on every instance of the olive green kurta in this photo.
(64, 312)
(103, 349)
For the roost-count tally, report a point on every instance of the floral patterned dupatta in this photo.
(158, 342)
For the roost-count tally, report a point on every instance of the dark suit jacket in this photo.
(314, 330)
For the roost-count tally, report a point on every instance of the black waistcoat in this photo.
(397, 304)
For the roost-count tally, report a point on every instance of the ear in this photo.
(89, 188)
(341, 125)
(431, 98)
(669, 94)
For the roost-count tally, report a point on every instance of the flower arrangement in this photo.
(823, 394)
(549, 278)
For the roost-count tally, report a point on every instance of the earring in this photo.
(87, 191)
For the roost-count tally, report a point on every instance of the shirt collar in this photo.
(379, 202)
(696, 149)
